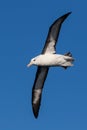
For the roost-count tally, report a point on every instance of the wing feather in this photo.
(50, 44)
(41, 73)
(40, 78)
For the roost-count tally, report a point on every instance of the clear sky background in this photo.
(24, 26)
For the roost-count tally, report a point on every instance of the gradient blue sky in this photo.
(24, 26)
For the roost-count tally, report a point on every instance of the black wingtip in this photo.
(66, 15)
(69, 12)
(63, 17)
(35, 111)
(35, 115)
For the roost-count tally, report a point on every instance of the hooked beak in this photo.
(29, 64)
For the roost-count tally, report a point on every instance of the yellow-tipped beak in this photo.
(29, 64)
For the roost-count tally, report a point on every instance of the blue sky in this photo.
(24, 26)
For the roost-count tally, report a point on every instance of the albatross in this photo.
(47, 59)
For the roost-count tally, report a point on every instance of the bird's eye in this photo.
(33, 59)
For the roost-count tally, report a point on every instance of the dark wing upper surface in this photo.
(41, 75)
(53, 34)
(42, 72)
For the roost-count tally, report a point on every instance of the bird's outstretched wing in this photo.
(41, 75)
(50, 44)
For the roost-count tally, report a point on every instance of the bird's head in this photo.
(32, 62)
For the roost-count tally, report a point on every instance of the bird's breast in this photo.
(50, 60)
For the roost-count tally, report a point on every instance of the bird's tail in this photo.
(69, 60)
(68, 54)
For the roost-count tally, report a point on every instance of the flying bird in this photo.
(46, 59)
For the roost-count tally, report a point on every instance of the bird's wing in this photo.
(41, 75)
(50, 44)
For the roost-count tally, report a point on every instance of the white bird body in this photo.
(52, 60)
